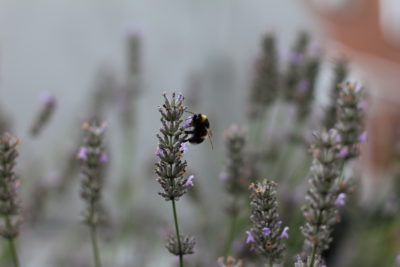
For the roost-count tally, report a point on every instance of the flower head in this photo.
(284, 233)
(344, 151)
(183, 147)
(341, 199)
(266, 231)
(189, 181)
(188, 122)
(103, 158)
(82, 153)
(250, 238)
(363, 137)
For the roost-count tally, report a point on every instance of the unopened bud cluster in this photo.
(9, 184)
(229, 262)
(171, 168)
(187, 245)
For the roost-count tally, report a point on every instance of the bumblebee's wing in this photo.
(209, 133)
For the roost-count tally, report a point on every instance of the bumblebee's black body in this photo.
(200, 129)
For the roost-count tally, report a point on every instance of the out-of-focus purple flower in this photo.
(266, 231)
(183, 147)
(82, 153)
(189, 181)
(303, 86)
(344, 151)
(158, 152)
(48, 98)
(279, 223)
(338, 138)
(223, 176)
(250, 238)
(284, 233)
(363, 137)
(398, 259)
(180, 97)
(103, 158)
(341, 199)
(188, 122)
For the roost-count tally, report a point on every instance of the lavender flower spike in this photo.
(44, 115)
(266, 227)
(229, 262)
(93, 157)
(171, 169)
(9, 183)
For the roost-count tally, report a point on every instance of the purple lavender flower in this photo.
(266, 231)
(183, 147)
(48, 98)
(180, 97)
(284, 233)
(189, 181)
(158, 152)
(103, 158)
(341, 199)
(363, 137)
(398, 259)
(188, 122)
(82, 153)
(223, 176)
(250, 238)
(344, 151)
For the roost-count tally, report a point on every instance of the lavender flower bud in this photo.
(171, 168)
(350, 115)
(264, 215)
(320, 211)
(9, 183)
(187, 245)
(92, 154)
(44, 115)
(229, 262)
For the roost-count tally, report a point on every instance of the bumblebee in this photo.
(200, 128)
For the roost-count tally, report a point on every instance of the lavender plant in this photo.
(267, 233)
(265, 88)
(234, 177)
(171, 168)
(296, 64)
(9, 183)
(93, 156)
(323, 196)
(44, 115)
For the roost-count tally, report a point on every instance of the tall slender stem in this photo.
(95, 247)
(11, 243)
(178, 236)
(93, 236)
(313, 252)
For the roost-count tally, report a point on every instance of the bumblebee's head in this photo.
(203, 118)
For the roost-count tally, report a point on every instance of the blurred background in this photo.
(113, 60)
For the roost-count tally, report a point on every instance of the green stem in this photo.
(95, 247)
(232, 230)
(11, 243)
(313, 253)
(178, 236)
